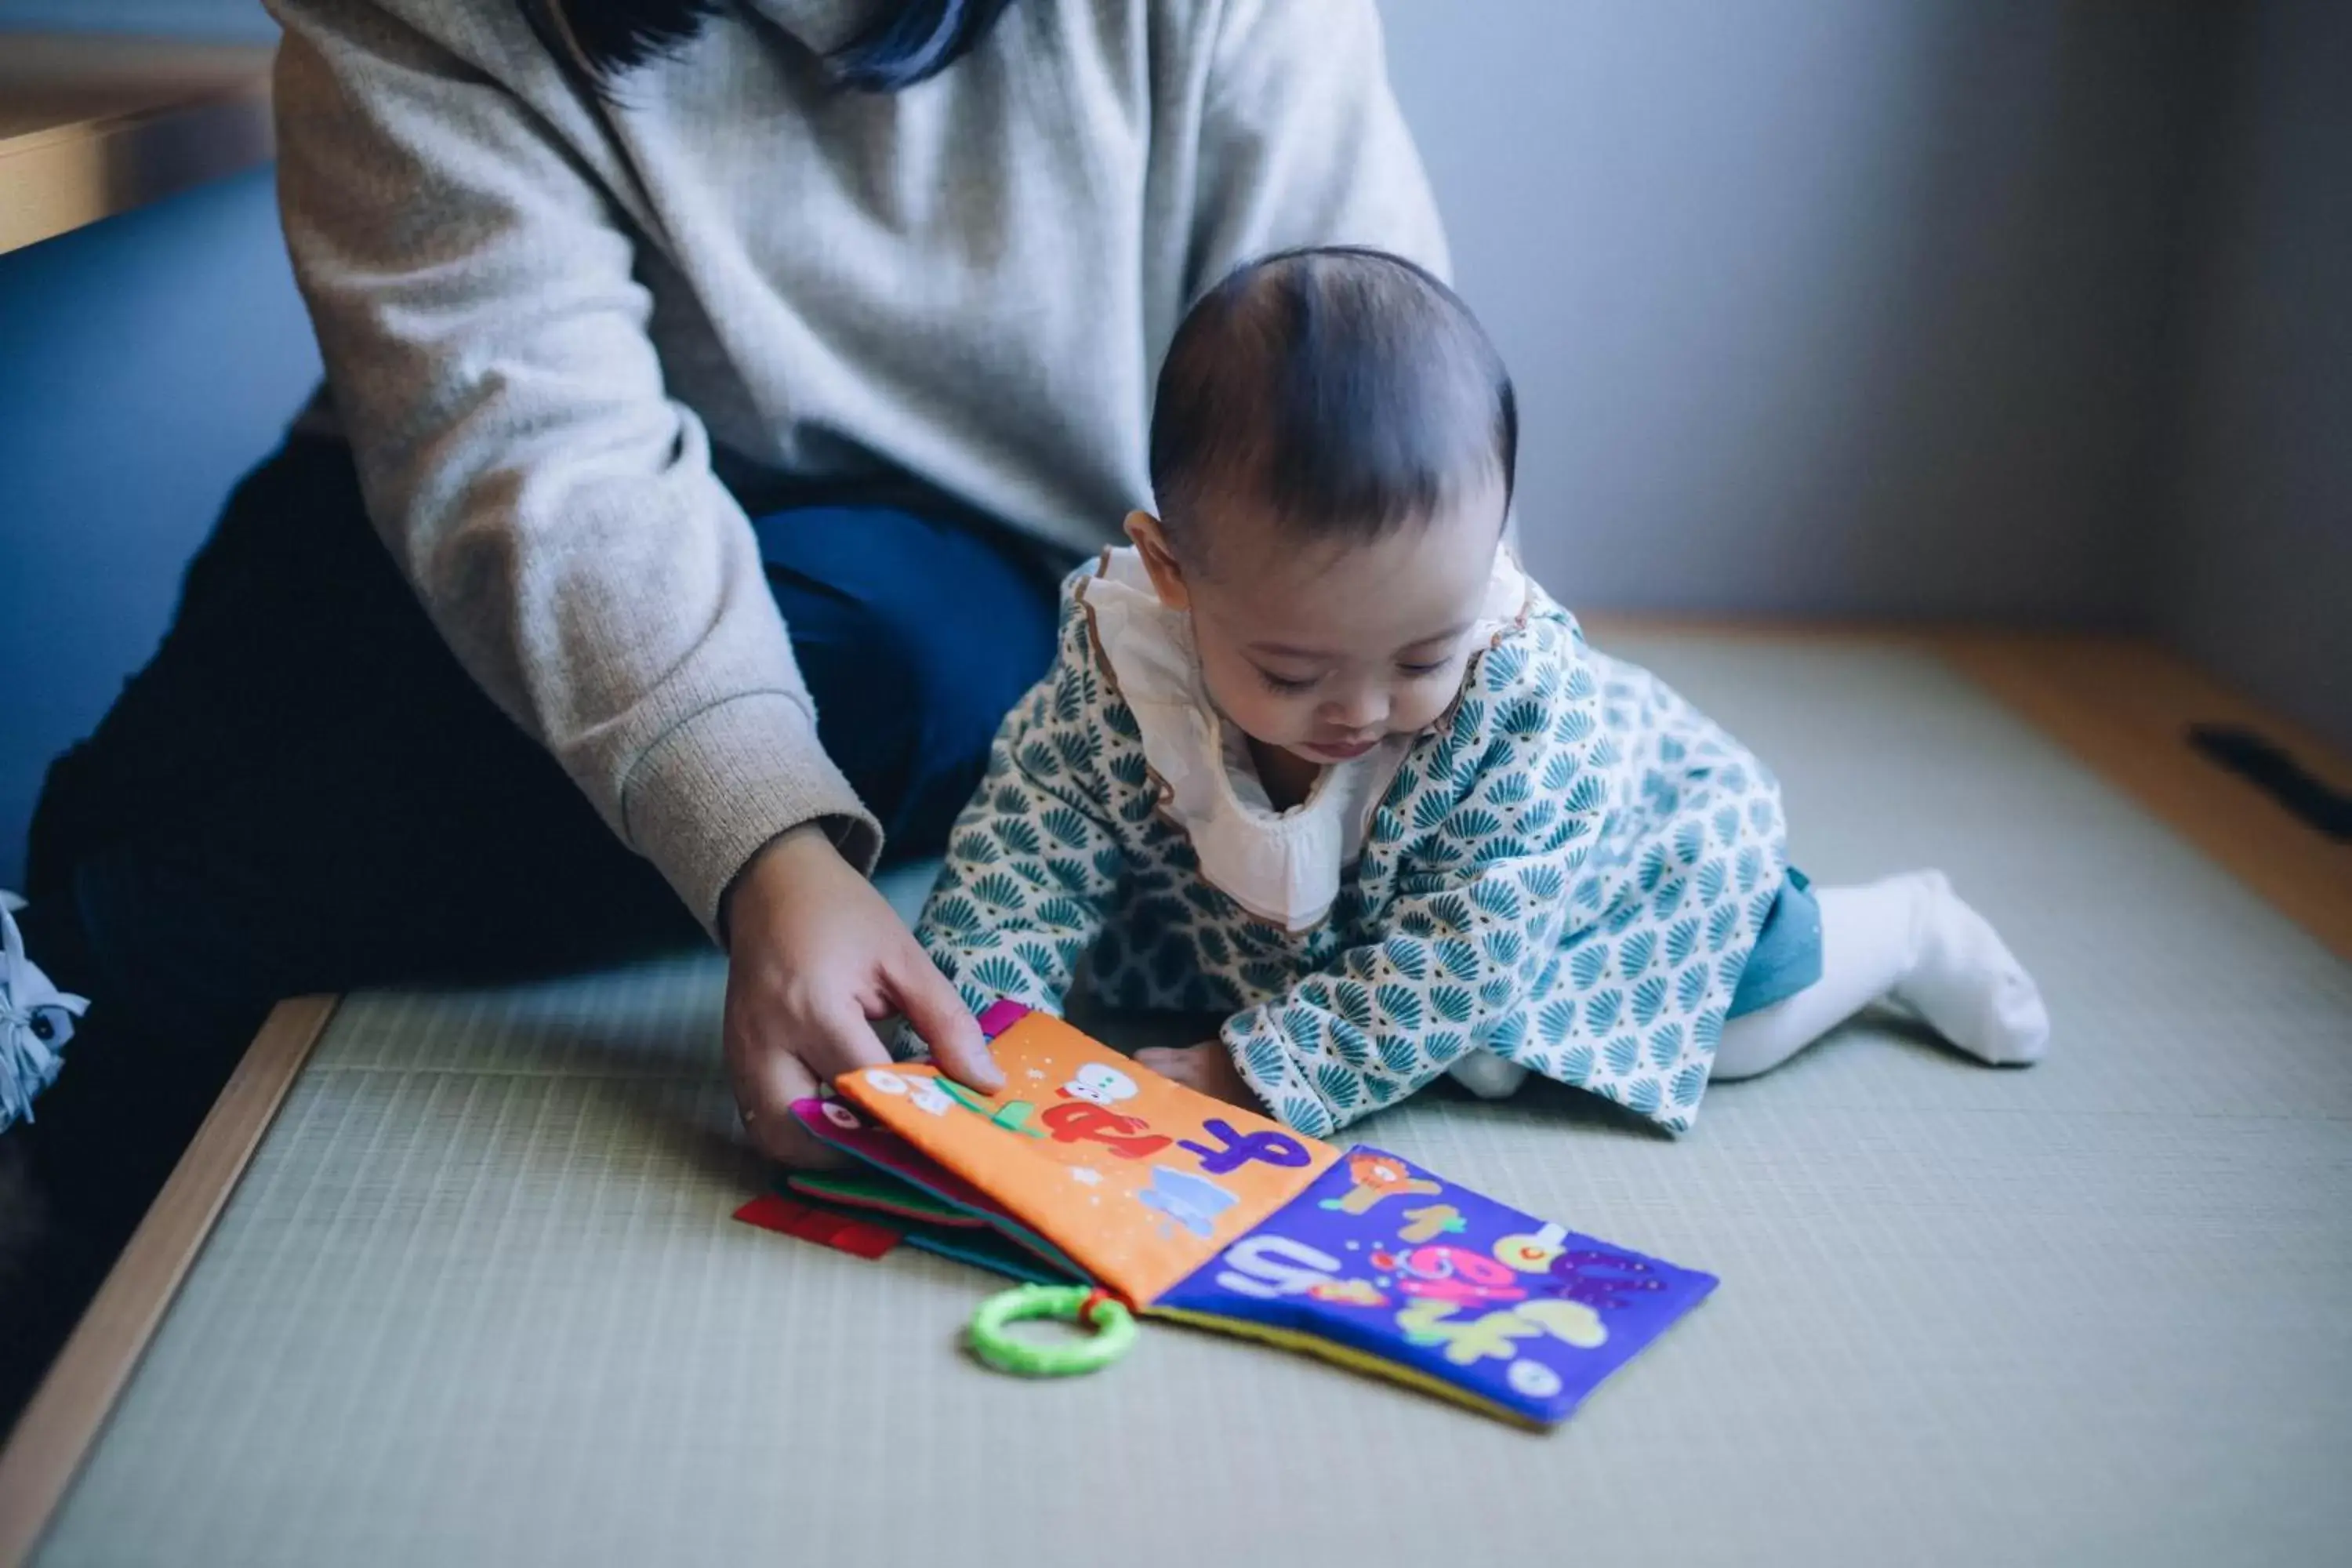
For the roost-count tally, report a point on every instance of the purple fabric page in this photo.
(1384, 1257)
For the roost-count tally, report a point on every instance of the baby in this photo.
(1317, 755)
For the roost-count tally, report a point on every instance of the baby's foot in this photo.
(1966, 982)
(1207, 1068)
(1488, 1076)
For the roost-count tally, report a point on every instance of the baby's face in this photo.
(1324, 650)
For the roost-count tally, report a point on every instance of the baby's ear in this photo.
(1167, 575)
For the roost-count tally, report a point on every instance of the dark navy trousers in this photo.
(304, 792)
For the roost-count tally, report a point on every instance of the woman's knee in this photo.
(961, 673)
(967, 671)
(915, 638)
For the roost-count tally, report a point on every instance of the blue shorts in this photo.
(1788, 956)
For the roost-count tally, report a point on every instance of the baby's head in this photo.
(1332, 449)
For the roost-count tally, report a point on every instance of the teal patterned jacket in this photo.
(1569, 869)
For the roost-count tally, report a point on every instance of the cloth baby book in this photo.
(1096, 1169)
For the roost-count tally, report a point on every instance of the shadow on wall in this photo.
(1819, 306)
(151, 360)
(2256, 581)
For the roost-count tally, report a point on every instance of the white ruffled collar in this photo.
(1286, 866)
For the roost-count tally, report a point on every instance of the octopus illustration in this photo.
(1606, 1280)
(1450, 1274)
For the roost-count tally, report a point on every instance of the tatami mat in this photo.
(478, 1300)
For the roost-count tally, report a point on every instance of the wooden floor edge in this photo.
(2120, 704)
(2121, 707)
(55, 1432)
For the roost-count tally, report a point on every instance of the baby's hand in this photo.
(1207, 1068)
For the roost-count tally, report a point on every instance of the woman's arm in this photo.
(475, 294)
(472, 285)
(1302, 142)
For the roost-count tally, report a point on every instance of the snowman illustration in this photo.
(1100, 1083)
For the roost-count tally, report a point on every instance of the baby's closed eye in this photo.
(1285, 684)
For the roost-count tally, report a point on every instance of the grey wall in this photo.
(1843, 306)
(2255, 580)
(1817, 306)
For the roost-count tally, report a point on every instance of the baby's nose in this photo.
(1361, 709)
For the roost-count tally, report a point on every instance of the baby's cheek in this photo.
(1418, 707)
(1259, 712)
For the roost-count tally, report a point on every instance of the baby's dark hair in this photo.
(1346, 390)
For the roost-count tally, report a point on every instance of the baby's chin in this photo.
(1330, 756)
(1304, 751)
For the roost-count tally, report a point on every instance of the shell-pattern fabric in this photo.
(1571, 871)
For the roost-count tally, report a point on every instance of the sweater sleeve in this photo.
(1496, 835)
(475, 297)
(1036, 856)
(1302, 142)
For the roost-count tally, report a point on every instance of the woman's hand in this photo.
(813, 953)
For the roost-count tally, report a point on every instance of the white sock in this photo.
(1488, 1076)
(1911, 940)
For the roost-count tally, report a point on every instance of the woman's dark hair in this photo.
(1346, 390)
(911, 40)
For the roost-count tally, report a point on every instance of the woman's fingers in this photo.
(768, 1079)
(834, 1039)
(930, 1003)
(807, 962)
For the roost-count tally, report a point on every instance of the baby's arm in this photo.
(1384, 1020)
(1031, 862)
(1205, 1068)
(1492, 833)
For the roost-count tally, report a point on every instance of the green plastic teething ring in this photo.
(1113, 1325)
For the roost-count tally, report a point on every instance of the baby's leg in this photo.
(1908, 940)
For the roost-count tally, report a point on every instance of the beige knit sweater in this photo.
(542, 315)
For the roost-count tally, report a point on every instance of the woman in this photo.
(725, 381)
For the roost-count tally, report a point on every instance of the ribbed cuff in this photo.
(713, 792)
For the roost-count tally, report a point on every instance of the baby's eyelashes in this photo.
(1290, 685)
(1284, 685)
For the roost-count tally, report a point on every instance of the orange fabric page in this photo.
(1140, 1180)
